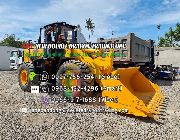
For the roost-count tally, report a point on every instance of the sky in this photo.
(24, 17)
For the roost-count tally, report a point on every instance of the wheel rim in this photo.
(70, 82)
(23, 77)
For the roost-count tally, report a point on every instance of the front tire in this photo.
(75, 67)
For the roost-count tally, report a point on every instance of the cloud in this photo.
(25, 18)
(167, 17)
(3, 8)
(73, 12)
(167, 12)
(169, 2)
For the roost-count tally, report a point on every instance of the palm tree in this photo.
(90, 26)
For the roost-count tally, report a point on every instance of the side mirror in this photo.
(157, 54)
(19, 54)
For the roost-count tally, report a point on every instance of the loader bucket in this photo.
(137, 94)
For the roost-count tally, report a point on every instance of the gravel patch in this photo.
(80, 126)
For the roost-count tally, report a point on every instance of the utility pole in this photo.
(112, 34)
(158, 27)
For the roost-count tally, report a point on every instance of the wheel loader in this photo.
(136, 94)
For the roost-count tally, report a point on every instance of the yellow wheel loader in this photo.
(77, 72)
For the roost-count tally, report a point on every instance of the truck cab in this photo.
(16, 58)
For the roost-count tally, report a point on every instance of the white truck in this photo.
(16, 58)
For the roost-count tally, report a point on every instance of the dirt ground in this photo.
(23, 124)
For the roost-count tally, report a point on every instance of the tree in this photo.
(177, 32)
(162, 42)
(10, 40)
(90, 26)
(171, 38)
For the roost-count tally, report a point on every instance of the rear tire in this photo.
(23, 76)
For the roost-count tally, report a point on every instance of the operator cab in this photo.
(60, 32)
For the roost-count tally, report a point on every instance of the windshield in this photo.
(13, 54)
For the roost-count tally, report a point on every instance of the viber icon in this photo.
(34, 89)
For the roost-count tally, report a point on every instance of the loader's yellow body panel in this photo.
(32, 52)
